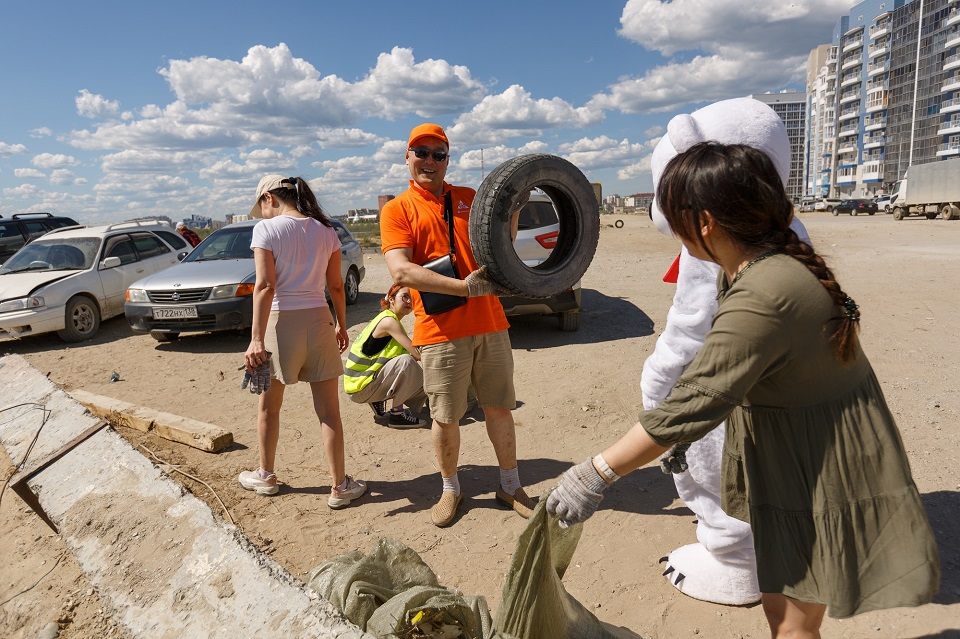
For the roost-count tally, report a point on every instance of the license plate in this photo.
(174, 312)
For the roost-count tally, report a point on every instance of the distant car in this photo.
(807, 206)
(23, 228)
(827, 204)
(537, 232)
(212, 289)
(855, 207)
(883, 203)
(71, 278)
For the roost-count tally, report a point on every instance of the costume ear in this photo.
(684, 132)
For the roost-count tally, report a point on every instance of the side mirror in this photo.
(182, 255)
(110, 262)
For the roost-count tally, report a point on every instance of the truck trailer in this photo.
(930, 190)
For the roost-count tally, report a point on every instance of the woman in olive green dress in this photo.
(813, 458)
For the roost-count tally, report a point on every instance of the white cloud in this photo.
(741, 47)
(64, 177)
(90, 105)
(514, 112)
(603, 152)
(54, 160)
(41, 132)
(28, 173)
(11, 149)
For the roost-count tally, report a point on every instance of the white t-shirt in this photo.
(301, 249)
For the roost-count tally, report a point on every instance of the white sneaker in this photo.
(251, 480)
(342, 498)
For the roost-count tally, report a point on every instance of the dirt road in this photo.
(577, 392)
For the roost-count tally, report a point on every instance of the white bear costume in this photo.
(721, 568)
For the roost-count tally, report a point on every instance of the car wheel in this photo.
(853, 212)
(161, 336)
(82, 319)
(351, 286)
(830, 210)
(569, 320)
(898, 213)
(870, 212)
(577, 209)
(835, 212)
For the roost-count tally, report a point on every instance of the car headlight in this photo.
(137, 295)
(22, 304)
(223, 291)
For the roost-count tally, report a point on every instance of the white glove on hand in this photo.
(259, 379)
(578, 495)
(479, 283)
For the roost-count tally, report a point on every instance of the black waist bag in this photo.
(436, 303)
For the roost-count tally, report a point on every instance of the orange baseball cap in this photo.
(427, 130)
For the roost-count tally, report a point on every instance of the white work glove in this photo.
(579, 494)
(479, 283)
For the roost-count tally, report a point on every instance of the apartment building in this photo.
(877, 101)
(792, 109)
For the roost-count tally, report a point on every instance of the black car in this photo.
(23, 228)
(855, 207)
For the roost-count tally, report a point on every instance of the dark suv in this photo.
(23, 228)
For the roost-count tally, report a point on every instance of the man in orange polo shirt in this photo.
(467, 344)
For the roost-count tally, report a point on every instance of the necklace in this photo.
(740, 273)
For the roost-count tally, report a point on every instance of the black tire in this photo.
(618, 224)
(898, 213)
(930, 216)
(161, 336)
(870, 212)
(82, 319)
(578, 210)
(830, 210)
(569, 320)
(835, 212)
(351, 286)
(946, 212)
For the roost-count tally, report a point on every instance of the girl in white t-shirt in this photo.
(297, 255)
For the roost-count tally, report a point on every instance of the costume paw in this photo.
(696, 573)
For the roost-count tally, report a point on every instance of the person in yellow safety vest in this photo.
(384, 365)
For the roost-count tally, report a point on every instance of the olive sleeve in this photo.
(747, 342)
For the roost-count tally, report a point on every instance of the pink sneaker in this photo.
(251, 480)
(342, 498)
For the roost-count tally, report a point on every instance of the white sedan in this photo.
(69, 279)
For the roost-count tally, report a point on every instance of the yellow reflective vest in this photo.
(359, 368)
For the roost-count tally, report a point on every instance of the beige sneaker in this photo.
(342, 498)
(443, 512)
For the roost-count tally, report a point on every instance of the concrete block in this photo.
(194, 433)
(164, 564)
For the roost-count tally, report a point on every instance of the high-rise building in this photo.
(883, 96)
(791, 107)
(383, 199)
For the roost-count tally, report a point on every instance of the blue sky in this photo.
(113, 110)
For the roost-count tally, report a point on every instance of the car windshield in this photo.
(62, 254)
(224, 244)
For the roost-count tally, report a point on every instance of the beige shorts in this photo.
(449, 368)
(304, 345)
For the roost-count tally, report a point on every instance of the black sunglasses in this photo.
(423, 153)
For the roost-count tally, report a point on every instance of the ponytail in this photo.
(299, 195)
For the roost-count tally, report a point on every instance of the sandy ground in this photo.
(577, 392)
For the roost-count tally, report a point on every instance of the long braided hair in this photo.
(299, 195)
(740, 187)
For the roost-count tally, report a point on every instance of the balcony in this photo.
(949, 106)
(879, 29)
(843, 180)
(848, 114)
(950, 127)
(850, 61)
(953, 38)
(878, 105)
(848, 131)
(853, 44)
(879, 48)
(874, 141)
(877, 85)
(874, 124)
(950, 84)
(877, 68)
(953, 17)
(846, 148)
(849, 96)
(951, 62)
(948, 149)
(849, 80)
